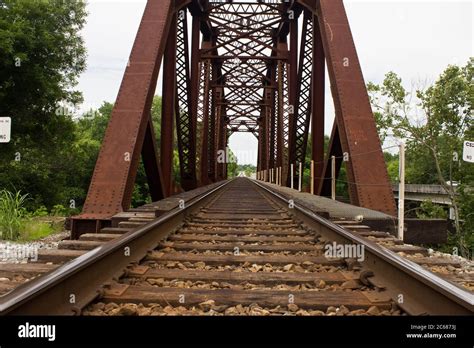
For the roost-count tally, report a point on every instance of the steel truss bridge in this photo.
(238, 66)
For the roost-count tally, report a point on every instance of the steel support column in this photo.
(271, 106)
(168, 108)
(221, 134)
(292, 90)
(206, 73)
(317, 119)
(212, 130)
(185, 121)
(300, 125)
(283, 111)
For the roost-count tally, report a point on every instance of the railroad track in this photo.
(239, 249)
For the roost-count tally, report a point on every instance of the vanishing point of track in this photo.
(237, 249)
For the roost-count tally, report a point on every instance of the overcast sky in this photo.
(415, 39)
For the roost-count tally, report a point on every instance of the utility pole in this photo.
(401, 192)
(300, 177)
(312, 178)
(333, 177)
(291, 177)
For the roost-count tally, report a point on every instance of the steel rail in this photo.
(84, 275)
(423, 291)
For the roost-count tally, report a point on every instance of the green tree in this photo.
(430, 210)
(232, 166)
(41, 56)
(434, 122)
(90, 130)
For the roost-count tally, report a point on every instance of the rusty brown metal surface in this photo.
(113, 180)
(151, 164)
(304, 99)
(317, 113)
(168, 107)
(292, 91)
(205, 111)
(369, 185)
(235, 73)
(184, 113)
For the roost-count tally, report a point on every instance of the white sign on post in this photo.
(5, 129)
(468, 152)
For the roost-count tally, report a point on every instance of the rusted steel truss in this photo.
(302, 114)
(185, 121)
(241, 66)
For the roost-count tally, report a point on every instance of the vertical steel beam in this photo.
(318, 89)
(283, 111)
(262, 141)
(267, 119)
(221, 135)
(334, 149)
(151, 164)
(168, 108)
(280, 141)
(195, 85)
(259, 147)
(212, 130)
(220, 129)
(292, 88)
(185, 120)
(300, 125)
(206, 73)
(271, 106)
(369, 185)
(225, 135)
(195, 57)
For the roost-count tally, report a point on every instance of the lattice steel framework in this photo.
(245, 67)
(283, 118)
(245, 47)
(205, 96)
(302, 115)
(185, 122)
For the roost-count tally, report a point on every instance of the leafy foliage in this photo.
(430, 210)
(248, 169)
(41, 57)
(12, 213)
(232, 166)
(434, 121)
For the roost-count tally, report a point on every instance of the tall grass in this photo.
(12, 212)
